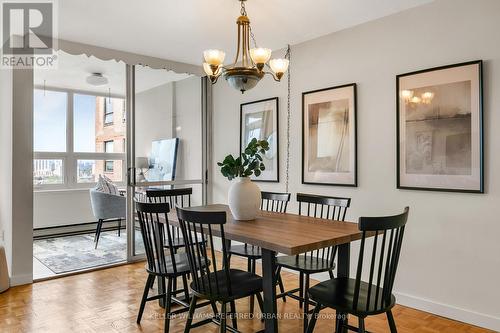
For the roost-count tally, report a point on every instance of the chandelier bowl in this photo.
(242, 78)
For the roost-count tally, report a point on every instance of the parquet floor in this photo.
(107, 301)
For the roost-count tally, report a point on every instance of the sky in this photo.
(50, 122)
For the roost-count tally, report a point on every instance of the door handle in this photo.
(131, 176)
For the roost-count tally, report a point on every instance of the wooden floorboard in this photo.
(107, 301)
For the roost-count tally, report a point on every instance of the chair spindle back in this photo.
(384, 258)
(154, 234)
(174, 197)
(198, 230)
(325, 207)
(274, 202)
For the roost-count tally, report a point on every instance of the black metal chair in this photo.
(271, 201)
(159, 265)
(178, 196)
(318, 261)
(359, 298)
(225, 285)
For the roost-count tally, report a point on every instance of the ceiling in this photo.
(72, 71)
(181, 30)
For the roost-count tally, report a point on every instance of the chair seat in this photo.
(248, 251)
(305, 263)
(181, 263)
(243, 284)
(338, 294)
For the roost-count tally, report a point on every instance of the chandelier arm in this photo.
(273, 76)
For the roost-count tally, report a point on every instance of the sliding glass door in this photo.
(166, 127)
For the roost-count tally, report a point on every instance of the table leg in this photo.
(344, 263)
(269, 276)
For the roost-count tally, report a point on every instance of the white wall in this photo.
(6, 162)
(187, 126)
(450, 263)
(153, 119)
(62, 207)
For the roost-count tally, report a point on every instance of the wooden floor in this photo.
(107, 301)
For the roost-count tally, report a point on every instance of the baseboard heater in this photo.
(75, 229)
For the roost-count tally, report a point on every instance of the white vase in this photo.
(244, 199)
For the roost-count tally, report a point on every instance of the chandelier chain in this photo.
(288, 115)
(252, 36)
(243, 10)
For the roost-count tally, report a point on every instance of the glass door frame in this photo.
(206, 126)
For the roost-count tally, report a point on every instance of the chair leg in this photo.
(192, 307)
(280, 283)
(260, 301)
(186, 288)
(233, 315)
(392, 323)
(168, 304)
(306, 302)
(314, 316)
(331, 274)
(119, 226)
(174, 286)
(228, 261)
(361, 326)
(214, 309)
(149, 283)
(98, 232)
(301, 289)
(152, 283)
(338, 323)
(251, 269)
(223, 315)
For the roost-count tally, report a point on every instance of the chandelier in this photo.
(248, 66)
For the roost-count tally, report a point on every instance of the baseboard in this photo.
(18, 280)
(449, 311)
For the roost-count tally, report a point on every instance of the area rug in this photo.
(73, 253)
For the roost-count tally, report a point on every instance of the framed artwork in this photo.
(440, 129)
(259, 120)
(329, 143)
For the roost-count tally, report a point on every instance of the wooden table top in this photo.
(283, 232)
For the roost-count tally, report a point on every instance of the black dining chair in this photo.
(160, 265)
(223, 285)
(178, 196)
(270, 201)
(318, 261)
(359, 298)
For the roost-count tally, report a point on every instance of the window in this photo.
(88, 171)
(84, 123)
(108, 111)
(109, 166)
(108, 146)
(49, 119)
(75, 156)
(47, 172)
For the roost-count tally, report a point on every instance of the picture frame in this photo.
(260, 119)
(329, 136)
(440, 136)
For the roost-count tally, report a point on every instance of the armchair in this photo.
(107, 206)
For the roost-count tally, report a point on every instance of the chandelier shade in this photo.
(248, 67)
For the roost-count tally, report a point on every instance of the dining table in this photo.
(286, 233)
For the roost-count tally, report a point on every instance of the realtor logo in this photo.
(28, 34)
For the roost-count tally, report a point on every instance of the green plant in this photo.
(248, 163)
